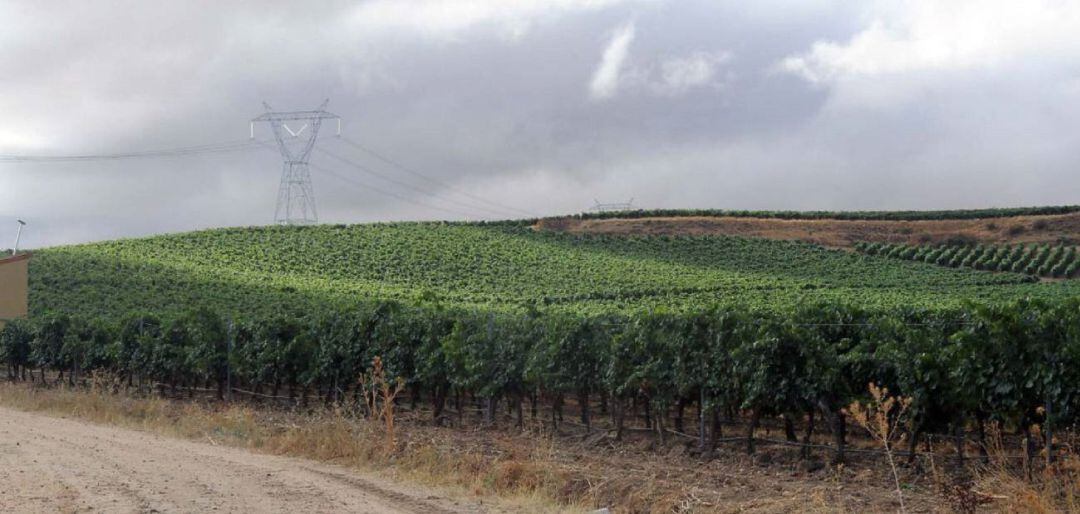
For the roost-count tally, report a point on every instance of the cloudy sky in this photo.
(534, 106)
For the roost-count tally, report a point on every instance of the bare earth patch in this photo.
(839, 233)
(50, 464)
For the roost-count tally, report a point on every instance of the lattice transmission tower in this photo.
(296, 198)
(614, 207)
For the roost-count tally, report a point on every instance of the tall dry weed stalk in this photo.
(882, 418)
(379, 396)
(104, 382)
(1016, 487)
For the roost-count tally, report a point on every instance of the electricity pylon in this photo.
(614, 207)
(296, 198)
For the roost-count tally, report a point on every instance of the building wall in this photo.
(14, 275)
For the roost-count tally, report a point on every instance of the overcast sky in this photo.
(540, 106)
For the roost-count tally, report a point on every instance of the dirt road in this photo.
(51, 464)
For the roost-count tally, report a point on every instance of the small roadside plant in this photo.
(379, 395)
(882, 417)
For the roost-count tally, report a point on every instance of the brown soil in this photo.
(50, 464)
(1063, 228)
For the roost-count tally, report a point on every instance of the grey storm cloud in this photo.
(538, 105)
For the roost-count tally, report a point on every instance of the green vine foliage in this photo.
(982, 361)
(290, 271)
(1059, 261)
(499, 312)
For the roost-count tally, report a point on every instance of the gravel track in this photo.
(50, 464)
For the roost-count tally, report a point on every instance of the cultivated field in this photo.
(703, 331)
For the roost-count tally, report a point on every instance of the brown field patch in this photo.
(1060, 228)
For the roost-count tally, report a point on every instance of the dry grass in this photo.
(840, 233)
(1004, 486)
(526, 471)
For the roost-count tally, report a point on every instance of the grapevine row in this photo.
(1008, 362)
(245, 271)
(1045, 260)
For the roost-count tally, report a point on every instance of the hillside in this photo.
(503, 267)
(619, 329)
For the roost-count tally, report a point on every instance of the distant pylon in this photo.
(296, 198)
(614, 207)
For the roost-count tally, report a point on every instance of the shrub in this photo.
(961, 240)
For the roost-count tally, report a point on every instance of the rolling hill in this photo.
(537, 311)
(576, 265)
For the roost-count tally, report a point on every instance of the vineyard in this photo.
(1044, 260)
(657, 329)
(502, 267)
(1009, 363)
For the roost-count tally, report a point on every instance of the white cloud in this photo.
(681, 74)
(930, 35)
(447, 18)
(605, 80)
(670, 77)
(935, 105)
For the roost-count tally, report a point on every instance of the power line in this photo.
(406, 185)
(433, 180)
(366, 187)
(491, 207)
(227, 146)
(363, 186)
(428, 192)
